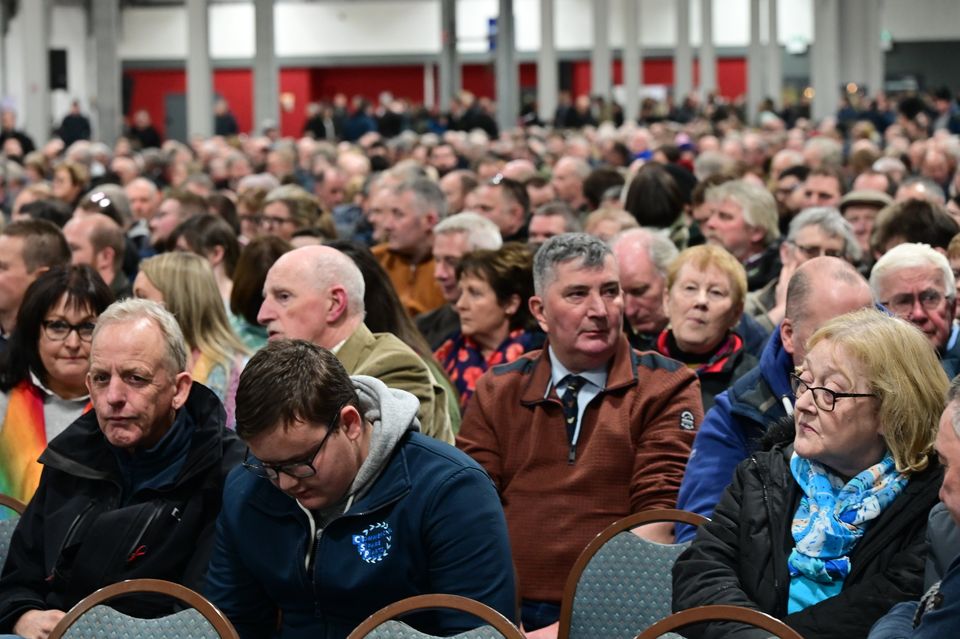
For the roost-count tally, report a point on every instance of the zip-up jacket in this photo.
(82, 531)
(740, 556)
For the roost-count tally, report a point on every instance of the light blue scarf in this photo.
(832, 517)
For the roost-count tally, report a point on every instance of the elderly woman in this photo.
(43, 372)
(496, 326)
(703, 299)
(184, 283)
(826, 529)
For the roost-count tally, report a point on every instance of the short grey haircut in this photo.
(579, 165)
(911, 255)
(953, 395)
(481, 232)
(659, 248)
(758, 206)
(133, 309)
(571, 223)
(829, 150)
(710, 163)
(426, 194)
(334, 267)
(565, 248)
(831, 222)
(263, 181)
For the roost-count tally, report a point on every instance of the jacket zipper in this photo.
(131, 553)
(71, 532)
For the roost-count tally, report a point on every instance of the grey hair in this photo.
(953, 395)
(710, 163)
(829, 150)
(831, 222)
(759, 207)
(426, 194)
(564, 248)
(481, 232)
(335, 267)
(935, 189)
(264, 181)
(911, 255)
(133, 309)
(659, 248)
(579, 165)
(571, 223)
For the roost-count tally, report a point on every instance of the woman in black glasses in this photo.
(826, 530)
(43, 372)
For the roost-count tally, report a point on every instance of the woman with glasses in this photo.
(184, 283)
(289, 208)
(43, 372)
(825, 530)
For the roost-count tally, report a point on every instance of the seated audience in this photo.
(400, 514)
(98, 241)
(703, 300)
(129, 490)
(289, 208)
(553, 218)
(212, 238)
(826, 529)
(915, 221)
(43, 372)
(495, 323)
(607, 223)
(254, 262)
(505, 203)
(184, 283)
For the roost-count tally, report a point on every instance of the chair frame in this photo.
(211, 613)
(621, 525)
(720, 613)
(424, 602)
(12, 503)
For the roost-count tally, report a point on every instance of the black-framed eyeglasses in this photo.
(273, 220)
(824, 398)
(902, 304)
(300, 469)
(59, 330)
(811, 251)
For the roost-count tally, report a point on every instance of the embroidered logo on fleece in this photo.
(686, 420)
(374, 543)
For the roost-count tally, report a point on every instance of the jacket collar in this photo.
(622, 372)
(350, 353)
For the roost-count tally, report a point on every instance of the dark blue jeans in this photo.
(538, 614)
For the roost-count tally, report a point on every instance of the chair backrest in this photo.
(90, 619)
(8, 522)
(720, 613)
(621, 583)
(381, 624)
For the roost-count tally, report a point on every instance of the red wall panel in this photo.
(403, 81)
(236, 87)
(150, 88)
(296, 82)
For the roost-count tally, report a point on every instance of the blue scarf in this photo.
(832, 517)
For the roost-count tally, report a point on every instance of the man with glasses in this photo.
(814, 232)
(915, 283)
(821, 288)
(343, 507)
(130, 489)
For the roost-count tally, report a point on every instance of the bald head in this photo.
(820, 289)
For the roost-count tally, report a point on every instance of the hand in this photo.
(547, 632)
(37, 624)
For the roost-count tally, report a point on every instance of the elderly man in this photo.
(642, 258)
(820, 289)
(144, 200)
(569, 175)
(455, 186)
(453, 238)
(553, 218)
(28, 248)
(814, 232)
(860, 209)
(400, 514)
(744, 221)
(129, 490)
(916, 283)
(583, 432)
(316, 293)
(415, 207)
(97, 240)
(505, 203)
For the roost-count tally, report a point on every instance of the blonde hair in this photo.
(902, 368)
(703, 257)
(190, 292)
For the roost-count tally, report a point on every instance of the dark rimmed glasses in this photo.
(59, 330)
(823, 397)
(300, 469)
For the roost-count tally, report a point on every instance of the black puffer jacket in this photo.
(76, 536)
(740, 557)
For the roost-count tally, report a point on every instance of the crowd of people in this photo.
(310, 377)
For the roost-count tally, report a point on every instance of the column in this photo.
(601, 79)
(683, 56)
(508, 108)
(107, 101)
(449, 64)
(708, 52)
(632, 60)
(33, 108)
(199, 70)
(266, 74)
(860, 54)
(548, 81)
(755, 65)
(774, 72)
(4, 18)
(824, 56)
(876, 69)
(429, 86)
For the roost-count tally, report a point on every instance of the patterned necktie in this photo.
(569, 403)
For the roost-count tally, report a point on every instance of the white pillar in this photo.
(508, 107)
(708, 52)
(449, 64)
(199, 70)
(105, 18)
(632, 60)
(266, 73)
(774, 64)
(683, 55)
(824, 58)
(34, 111)
(548, 84)
(429, 86)
(755, 66)
(600, 56)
